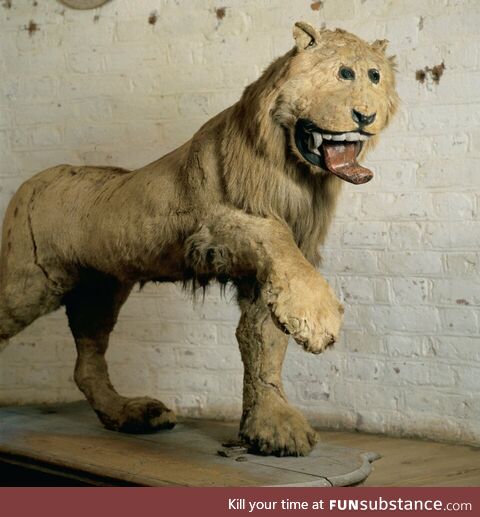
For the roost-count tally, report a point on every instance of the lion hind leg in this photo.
(92, 310)
(26, 296)
(27, 289)
(10, 324)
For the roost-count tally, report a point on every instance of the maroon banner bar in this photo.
(236, 502)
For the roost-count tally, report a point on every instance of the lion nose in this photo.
(362, 119)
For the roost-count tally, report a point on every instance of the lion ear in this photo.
(305, 35)
(380, 45)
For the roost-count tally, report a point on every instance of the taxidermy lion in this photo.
(247, 200)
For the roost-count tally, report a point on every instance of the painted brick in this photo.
(402, 253)
(410, 263)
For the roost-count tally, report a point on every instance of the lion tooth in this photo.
(338, 138)
(327, 137)
(363, 137)
(352, 137)
(317, 137)
(312, 144)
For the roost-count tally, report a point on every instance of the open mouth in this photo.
(335, 152)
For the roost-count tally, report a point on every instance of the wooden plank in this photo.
(414, 462)
(145, 458)
(70, 437)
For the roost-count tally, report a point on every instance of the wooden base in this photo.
(67, 441)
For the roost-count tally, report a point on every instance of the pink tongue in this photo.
(341, 160)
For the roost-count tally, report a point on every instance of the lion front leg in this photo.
(238, 245)
(269, 424)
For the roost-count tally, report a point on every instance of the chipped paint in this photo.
(31, 28)
(221, 12)
(153, 18)
(434, 72)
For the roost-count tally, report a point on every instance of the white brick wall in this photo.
(107, 87)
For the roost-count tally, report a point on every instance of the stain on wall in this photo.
(153, 18)
(434, 72)
(220, 12)
(31, 28)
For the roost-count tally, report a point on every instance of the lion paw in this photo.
(140, 415)
(309, 312)
(278, 429)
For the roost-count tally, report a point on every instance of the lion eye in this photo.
(374, 75)
(312, 43)
(346, 73)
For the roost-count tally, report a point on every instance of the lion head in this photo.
(338, 94)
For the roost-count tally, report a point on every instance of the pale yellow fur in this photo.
(237, 202)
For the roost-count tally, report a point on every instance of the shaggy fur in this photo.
(237, 202)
